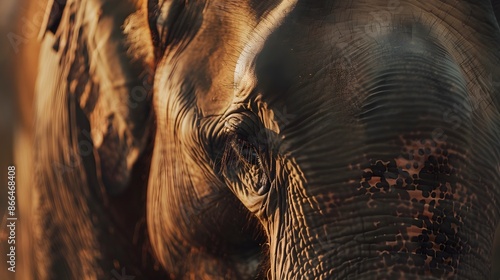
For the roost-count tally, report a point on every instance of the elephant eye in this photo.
(240, 145)
(242, 162)
(245, 161)
(246, 152)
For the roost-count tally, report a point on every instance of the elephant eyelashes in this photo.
(242, 154)
(247, 152)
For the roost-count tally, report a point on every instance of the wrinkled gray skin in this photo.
(292, 140)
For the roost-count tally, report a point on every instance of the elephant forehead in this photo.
(208, 85)
(212, 62)
(198, 68)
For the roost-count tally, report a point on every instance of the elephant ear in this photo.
(92, 123)
(109, 82)
(158, 25)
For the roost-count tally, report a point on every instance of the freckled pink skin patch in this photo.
(426, 179)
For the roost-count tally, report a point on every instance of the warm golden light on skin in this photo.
(283, 139)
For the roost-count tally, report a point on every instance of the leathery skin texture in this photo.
(430, 192)
(281, 139)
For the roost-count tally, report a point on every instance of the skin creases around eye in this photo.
(244, 160)
(245, 157)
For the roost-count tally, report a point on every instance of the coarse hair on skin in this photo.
(139, 38)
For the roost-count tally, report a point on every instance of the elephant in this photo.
(284, 139)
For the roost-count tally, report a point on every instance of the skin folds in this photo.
(271, 139)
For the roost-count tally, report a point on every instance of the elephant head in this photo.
(292, 138)
(355, 140)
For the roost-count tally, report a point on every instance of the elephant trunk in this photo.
(397, 190)
(391, 221)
